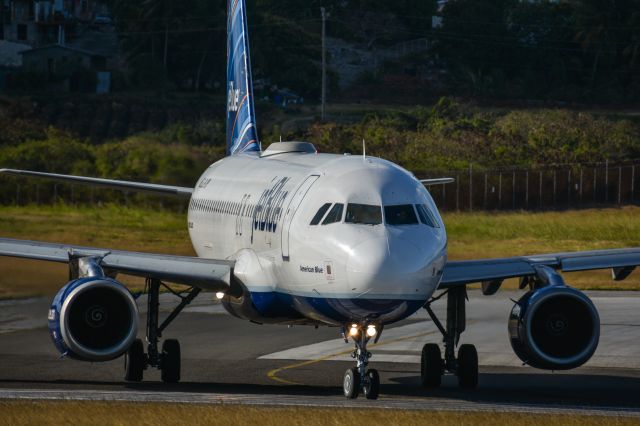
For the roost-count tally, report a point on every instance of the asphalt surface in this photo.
(226, 360)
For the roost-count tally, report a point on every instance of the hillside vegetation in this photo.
(446, 136)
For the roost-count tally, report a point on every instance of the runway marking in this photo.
(273, 374)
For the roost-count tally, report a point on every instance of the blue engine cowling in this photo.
(93, 319)
(554, 328)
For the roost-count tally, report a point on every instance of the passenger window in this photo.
(363, 214)
(400, 215)
(320, 214)
(426, 216)
(334, 215)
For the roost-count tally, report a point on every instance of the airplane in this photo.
(287, 235)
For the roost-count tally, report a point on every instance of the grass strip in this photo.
(117, 413)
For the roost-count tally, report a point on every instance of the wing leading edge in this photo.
(209, 274)
(621, 261)
(108, 183)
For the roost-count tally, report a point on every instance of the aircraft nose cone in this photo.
(386, 267)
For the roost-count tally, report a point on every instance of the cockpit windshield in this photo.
(334, 215)
(320, 214)
(400, 215)
(426, 216)
(363, 214)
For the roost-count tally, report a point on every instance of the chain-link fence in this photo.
(551, 187)
(543, 188)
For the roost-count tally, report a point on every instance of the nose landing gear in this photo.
(465, 366)
(359, 379)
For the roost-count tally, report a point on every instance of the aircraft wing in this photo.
(621, 261)
(108, 183)
(207, 274)
(437, 181)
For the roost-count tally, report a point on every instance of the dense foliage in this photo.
(446, 136)
(567, 50)
(586, 50)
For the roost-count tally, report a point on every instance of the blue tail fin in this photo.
(242, 134)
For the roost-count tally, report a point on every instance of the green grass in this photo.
(115, 413)
(471, 236)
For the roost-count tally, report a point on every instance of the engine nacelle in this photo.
(554, 328)
(93, 319)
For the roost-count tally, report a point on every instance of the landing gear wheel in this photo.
(170, 361)
(372, 384)
(351, 383)
(468, 367)
(134, 362)
(431, 366)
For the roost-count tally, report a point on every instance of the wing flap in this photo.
(209, 274)
(107, 183)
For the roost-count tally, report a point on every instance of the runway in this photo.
(229, 361)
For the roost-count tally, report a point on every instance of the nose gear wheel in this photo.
(359, 379)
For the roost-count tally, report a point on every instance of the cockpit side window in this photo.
(363, 214)
(334, 215)
(320, 214)
(400, 215)
(426, 216)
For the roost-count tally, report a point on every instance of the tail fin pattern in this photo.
(242, 134)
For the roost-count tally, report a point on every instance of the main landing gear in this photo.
(465, 366)
(167, 360)
(359, 379)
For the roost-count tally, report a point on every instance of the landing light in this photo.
(371, 330)
(354, 330)
(219, 295)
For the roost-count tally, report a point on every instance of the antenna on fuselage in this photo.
(364, 149)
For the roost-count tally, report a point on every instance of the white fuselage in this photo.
(257, 208)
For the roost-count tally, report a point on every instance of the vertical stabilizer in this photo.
(242, 134)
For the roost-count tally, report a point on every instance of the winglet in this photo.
(242, 134)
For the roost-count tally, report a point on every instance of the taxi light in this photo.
(371, 330)
(219, 295)
(354, 330)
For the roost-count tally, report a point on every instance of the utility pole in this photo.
(325, 15)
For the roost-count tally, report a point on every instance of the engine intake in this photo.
(93, 319)
(554, 328)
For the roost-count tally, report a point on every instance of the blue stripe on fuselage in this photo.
(338, 311)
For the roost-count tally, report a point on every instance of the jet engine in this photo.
(93, 319)
(554, 328)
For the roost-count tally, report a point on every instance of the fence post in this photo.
(17, 194)
(595, 183)
(37, 194)
(513, 191)
(581, 173)
(484, 202)
(470, 187)
(444, 195)
(457, 192)
(606, 181)
(55, 193)
(540, 192)
(619, 184)
(633, 178)
(555, 175)
(526, 191)
(569, 188)
(500, 191)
